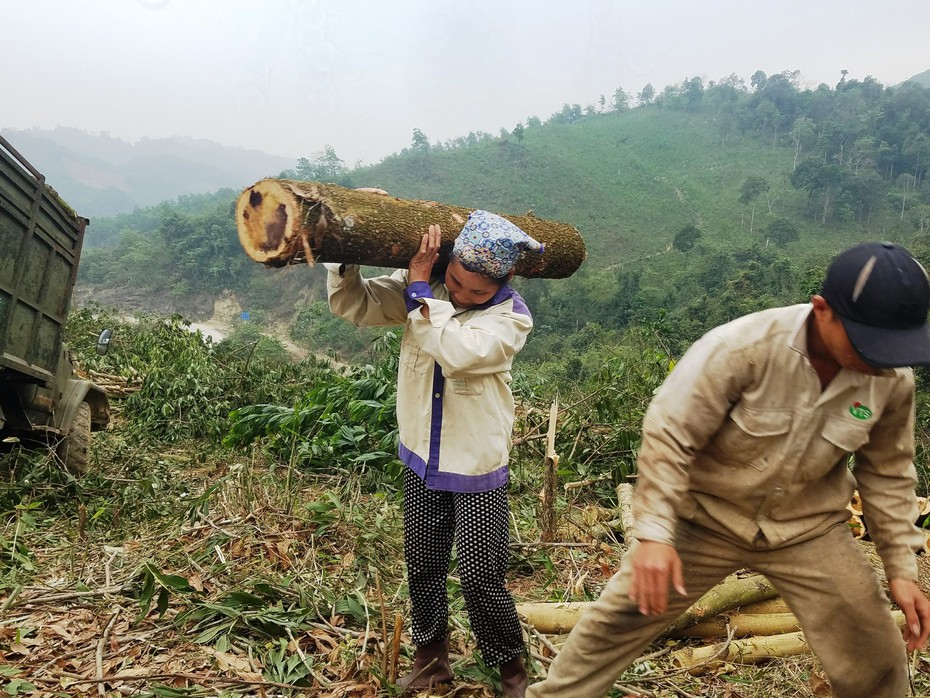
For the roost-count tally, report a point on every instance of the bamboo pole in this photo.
(283, 221)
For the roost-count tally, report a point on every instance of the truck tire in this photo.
(74, 449)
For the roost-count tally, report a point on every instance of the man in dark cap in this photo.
(745, 464)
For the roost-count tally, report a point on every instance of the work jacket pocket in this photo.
(845, 434)
(751, 436)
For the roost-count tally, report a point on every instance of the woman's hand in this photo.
(421, 264)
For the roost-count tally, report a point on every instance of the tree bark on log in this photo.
(625, 507)
(698, 660)
(857, 526)
(555, 618)
(724, 597)
(742, 625)
(283, 221)
(776, 605)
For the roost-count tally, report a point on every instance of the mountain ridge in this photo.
(99, 175)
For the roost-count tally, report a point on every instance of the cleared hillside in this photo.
(705, 204)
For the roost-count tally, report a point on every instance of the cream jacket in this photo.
(455, 410)
(741, 439)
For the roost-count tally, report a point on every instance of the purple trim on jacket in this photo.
(453, 482)
(416, 290)
(428, 471)
(435, 426)
(507, 292)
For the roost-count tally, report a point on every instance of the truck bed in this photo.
(40, 247)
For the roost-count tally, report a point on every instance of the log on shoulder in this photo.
(282, 221)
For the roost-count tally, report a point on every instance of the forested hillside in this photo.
(700, 203)
(239, 529)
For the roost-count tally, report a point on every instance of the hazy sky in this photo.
(289, 76)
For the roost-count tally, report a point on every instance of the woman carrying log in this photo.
(455, 413)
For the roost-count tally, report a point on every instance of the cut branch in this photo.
(283, 221)
(725, 596)
(547, 517)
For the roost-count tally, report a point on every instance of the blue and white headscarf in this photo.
(491, 245)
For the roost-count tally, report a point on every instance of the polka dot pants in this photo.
(478, 523)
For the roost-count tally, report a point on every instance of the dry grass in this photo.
(269, 586)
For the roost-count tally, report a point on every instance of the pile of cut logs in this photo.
(744, 613)
(859, 526)
(116, 386)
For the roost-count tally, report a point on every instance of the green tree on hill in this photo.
(781, 232)
(686, 238)
(647, 94)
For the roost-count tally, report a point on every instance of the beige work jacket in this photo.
(455, 409)
(742, 440)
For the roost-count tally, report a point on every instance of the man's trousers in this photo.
(827, 582)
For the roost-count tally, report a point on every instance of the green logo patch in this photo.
(860, 411)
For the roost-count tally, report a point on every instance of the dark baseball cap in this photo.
(882, 296)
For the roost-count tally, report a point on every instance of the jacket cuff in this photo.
(904, 567)
(415, 293)
(655, 530)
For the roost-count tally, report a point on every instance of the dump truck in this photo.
(42, 401)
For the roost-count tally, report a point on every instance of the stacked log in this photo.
(751, 650)
(859, 526)
(855, 522)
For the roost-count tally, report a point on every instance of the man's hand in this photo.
(421, 265)
(916, 607)
(655, 566)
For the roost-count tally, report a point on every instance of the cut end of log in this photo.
(855, 504)
(265, 218)
(857, 526)
(923, 506)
